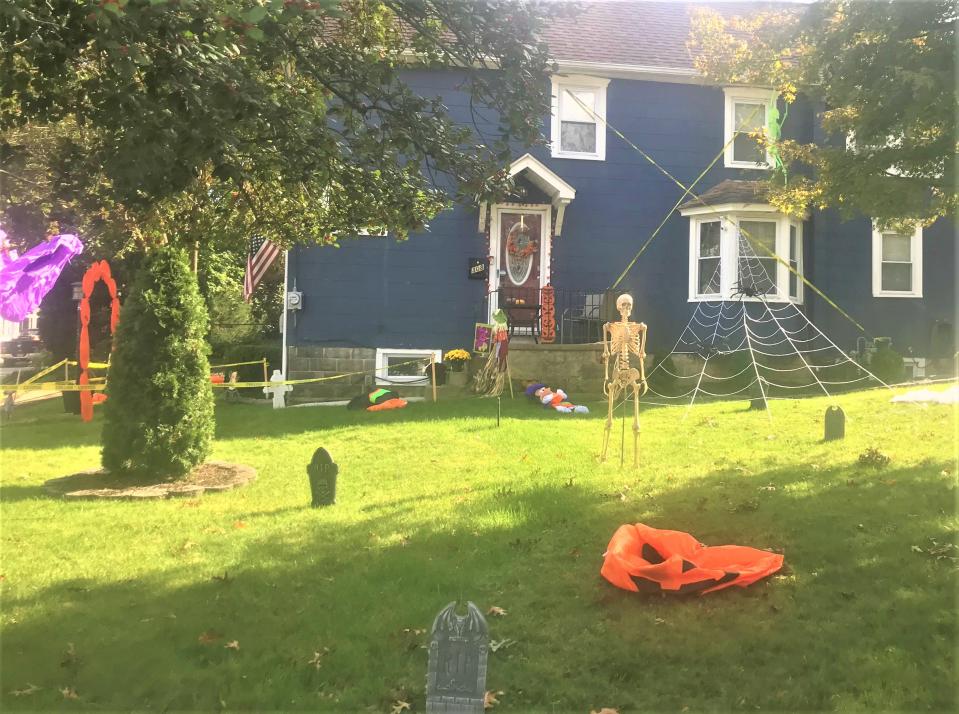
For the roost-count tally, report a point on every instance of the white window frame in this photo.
(730, 217)
(752, 95)
(597, 85)
(915, 252)
(383, 354)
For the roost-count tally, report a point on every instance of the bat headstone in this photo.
(322, 472)
(835, 423)
(459, 646)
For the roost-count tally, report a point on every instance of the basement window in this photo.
(404, 366)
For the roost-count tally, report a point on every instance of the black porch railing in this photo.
(579, 314)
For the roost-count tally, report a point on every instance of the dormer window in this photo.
(579, 102)
(746, 110)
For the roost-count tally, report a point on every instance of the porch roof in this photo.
(560, 193)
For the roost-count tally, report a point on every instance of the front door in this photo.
(521, 246)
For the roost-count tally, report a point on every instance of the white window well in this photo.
(896, 263)
(578, 106)
(746, 110)
(404, 366)
(734, 255)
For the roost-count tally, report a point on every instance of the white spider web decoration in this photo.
(751, 349)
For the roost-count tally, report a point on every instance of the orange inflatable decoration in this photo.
(644, 559)
(96, 272)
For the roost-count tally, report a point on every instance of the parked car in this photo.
(20, 349)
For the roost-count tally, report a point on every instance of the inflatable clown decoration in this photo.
(557, 399)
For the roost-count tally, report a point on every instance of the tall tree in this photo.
(291, 118)
(885, 73)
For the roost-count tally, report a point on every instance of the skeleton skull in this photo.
(624, 304)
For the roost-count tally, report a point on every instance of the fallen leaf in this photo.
(660, 621)
(916, 549)
(490, 700)
(69, 693)
(497, 611)
(317, 659)
(70, 656)
(604, 710)
(414, 631)
(239, 524)
(30, 689)
(495, 645)
(399, 706)
(232, 645)
(208, 637)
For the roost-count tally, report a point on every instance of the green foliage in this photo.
(159, 412)
(885, 71)
(225, 353)
(886, 364)
(143, 120)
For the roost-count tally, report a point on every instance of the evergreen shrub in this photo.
(159, 419)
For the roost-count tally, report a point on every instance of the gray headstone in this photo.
(835, 423)
(322, 472)
(456, 678)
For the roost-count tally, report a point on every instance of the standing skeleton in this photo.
(620, 340)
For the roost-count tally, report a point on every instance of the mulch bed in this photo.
(212, 476)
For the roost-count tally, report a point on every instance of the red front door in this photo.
(520, 249)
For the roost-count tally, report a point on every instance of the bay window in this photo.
(732, 252)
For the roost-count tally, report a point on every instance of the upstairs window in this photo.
(746, 110)
(896, 263)
(576, 129)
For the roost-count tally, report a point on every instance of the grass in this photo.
(131, 605)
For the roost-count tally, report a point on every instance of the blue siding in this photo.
(842, 268)
(376, 292)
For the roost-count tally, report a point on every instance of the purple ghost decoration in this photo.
(25, 280)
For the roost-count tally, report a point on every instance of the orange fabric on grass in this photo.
(388, 404)
(639, 557)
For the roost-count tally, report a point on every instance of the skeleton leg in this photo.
(611, 392)
(635, 424)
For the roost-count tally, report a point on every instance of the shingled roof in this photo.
(730, 191)
(632, 32)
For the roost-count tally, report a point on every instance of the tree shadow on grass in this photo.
(331, 617)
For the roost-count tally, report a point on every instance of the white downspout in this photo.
(286, 274)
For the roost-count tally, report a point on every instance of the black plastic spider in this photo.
(749, 290)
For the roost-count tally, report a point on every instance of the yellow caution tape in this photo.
(43, 373)
(236, 364)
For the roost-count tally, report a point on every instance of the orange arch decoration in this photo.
(96, 272)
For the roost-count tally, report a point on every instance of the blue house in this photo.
(587, 202)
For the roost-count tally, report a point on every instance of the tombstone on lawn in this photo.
(835, 423)
(456, 678)
(322, 472)
(277, 389)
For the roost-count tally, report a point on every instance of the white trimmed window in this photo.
(896, 263)
(575, 130)
(401, 366)
(746, 109)
(733, 251)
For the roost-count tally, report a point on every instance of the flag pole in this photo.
(286, 275)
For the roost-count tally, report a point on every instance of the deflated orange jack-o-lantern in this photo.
(644, 559)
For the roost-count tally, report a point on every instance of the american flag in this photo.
(261, 257)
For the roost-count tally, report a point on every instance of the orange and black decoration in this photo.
(644, 559)
(548, 315)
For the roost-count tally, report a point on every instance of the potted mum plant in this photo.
(456, 362)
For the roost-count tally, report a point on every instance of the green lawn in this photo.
(109, 602)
